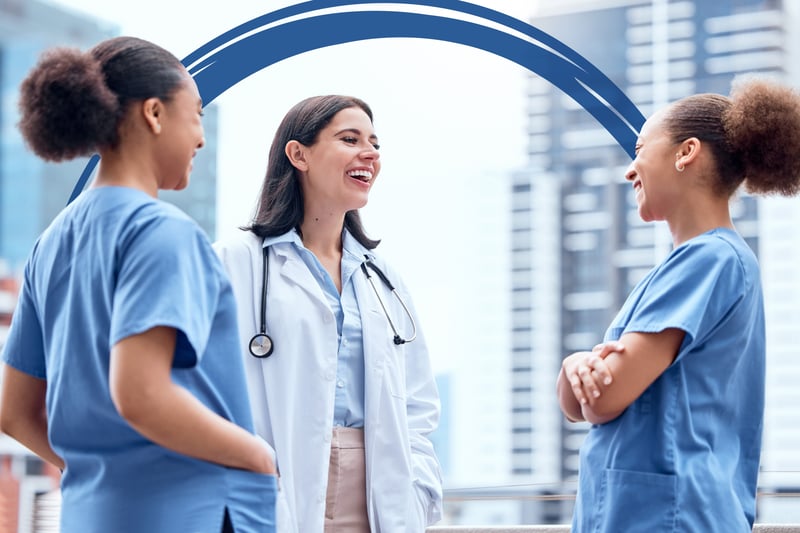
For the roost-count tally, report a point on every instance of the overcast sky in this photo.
(449, 117)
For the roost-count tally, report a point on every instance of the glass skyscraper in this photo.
(33, 191)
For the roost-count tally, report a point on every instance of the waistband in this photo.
(347, 437)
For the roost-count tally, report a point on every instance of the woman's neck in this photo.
(323, 235)
(704, 215)
(115, 169)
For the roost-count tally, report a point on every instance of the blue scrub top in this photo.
(684, 456)
(116, 263)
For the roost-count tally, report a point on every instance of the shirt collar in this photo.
(351, 248)
(290, 236)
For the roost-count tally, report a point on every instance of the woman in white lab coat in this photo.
(338, 372)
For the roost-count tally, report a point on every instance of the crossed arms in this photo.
(597, 386)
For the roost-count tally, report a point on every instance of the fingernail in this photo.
(596, 394)
(607, 381)
(583, 400)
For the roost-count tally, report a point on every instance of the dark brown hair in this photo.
(754, 135)
(280, 204)
(72, 102)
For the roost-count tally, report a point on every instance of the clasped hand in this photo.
(588, 373)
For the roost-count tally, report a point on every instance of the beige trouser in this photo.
(346, 503)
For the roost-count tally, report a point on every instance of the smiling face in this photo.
(652, 172)
(181, 135)
(339, 169)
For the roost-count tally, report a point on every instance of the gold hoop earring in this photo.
(679, 167)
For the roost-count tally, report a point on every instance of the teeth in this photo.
(360, 174)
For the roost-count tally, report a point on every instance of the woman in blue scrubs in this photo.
(122, 363)
(676, 392)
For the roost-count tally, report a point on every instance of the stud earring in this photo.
(679, 167)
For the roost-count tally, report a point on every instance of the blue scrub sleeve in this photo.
(24, 348)
(166, 278)
(693, 290)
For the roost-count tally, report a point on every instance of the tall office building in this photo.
(779, 252)
(579, 246)
(33, 191)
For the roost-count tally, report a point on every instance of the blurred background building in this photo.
(32, 191)
(29, 194)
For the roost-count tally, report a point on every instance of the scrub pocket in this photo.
(252, 501)
(637, 501)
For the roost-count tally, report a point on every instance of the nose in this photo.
(370, 153)
(202, 142)
(630, 172)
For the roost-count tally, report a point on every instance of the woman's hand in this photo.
(587, 372)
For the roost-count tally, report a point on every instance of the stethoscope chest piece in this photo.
(261, 345)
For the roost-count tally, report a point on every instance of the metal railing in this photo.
(48, 506)
(759, 528)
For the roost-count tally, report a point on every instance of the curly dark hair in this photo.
(280, 203)
(72, 102)
(754, 134)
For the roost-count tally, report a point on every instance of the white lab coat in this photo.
(292, 391)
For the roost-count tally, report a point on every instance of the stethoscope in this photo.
(262, 346)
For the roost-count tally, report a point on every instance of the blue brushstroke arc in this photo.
(228, 66)
(595, 79)
(217, 67)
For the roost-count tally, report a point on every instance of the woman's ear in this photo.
(296, 153)
(152, 108)
(688, 151)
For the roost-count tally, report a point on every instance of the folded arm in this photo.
(585, 394)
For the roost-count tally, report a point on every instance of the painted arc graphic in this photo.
(263, 41)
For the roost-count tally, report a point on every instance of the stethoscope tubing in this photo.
(261, 344)
(397, 339)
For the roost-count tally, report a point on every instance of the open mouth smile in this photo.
(361, 175)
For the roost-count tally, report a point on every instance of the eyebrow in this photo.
(357, 132)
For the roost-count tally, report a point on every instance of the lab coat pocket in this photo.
(637, 501)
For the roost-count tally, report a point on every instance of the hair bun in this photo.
(763, 126)
(67, 109)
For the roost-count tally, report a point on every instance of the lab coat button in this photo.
(340, 383)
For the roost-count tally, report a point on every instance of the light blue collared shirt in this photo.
(348, 410)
